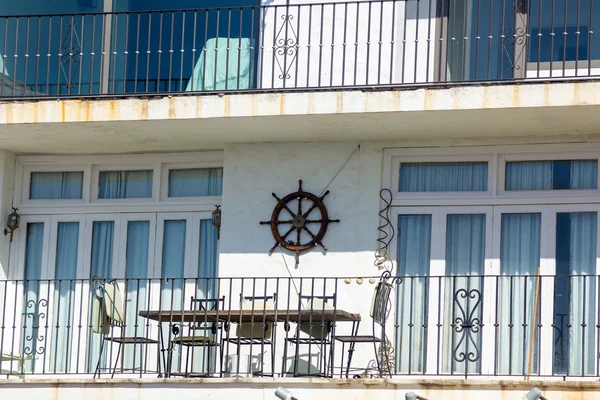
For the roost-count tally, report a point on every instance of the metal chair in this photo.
(259, 332)
(319, 334)
(108, 315)
(207, 339)
(379, 311)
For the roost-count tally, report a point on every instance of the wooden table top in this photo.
(236, 316)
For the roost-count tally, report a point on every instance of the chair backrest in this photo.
(316, 305)
(107, 307)
(261, 329)
(207, 304)
(380, 300)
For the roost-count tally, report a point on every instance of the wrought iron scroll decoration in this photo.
(286, 47)
(70, 54)
(468, 324)
(33, 313)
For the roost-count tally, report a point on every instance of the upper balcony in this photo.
(136, 48)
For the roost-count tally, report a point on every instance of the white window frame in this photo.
(546, 202)
(504, 158)
(91, 166)
(164, 184)
(22, 192)
(497, 156)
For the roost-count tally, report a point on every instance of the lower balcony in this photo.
(444, 327)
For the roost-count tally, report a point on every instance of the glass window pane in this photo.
(34, 304)
(101, 266)
(414, 255)
(136, 272)
(463, 292)
(195, 182)
(519, 264)
(125, 184)
(64, 295)
(552, 175)
(173, 262)
(575, 293)
(207, 259)
(56, 185)
(444, 177)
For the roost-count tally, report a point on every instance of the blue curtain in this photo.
(463, 291)
(207, 260)
(551, 175)
(575, 293)
(414, 255)
(136, 272)
(519, 263)
(56, 185)
(35, 303)
(64, 296)
(173, 259)
(125, 184)
(443, 177)
(195, 182)
(101, 265)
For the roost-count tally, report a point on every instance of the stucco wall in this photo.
(351, 173)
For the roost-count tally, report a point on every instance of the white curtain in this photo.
(463, 293)
(125, 184)
(136, 273)
(101, 265)
(56, 185)
(443, 177)
(575, 294)
(519, 263)
(64, 297)
(35, 302)
(414, 254)
(195, 182)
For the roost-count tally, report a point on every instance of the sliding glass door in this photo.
(58, 257)
(508, 290)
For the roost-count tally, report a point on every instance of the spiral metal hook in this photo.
(383, 260)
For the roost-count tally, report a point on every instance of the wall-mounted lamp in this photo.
(534, 394)
(216, 220)
(12, 223)
(284, 394)
(413, 396)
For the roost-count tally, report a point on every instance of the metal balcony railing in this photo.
(516, 325)
(347, 44)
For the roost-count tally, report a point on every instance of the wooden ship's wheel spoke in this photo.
(299, 221)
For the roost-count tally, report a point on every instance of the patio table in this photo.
(249, 316)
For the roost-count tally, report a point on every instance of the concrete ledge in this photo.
(302, 103)
(303, 389)
(396, 382)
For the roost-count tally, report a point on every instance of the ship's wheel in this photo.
(299, 221)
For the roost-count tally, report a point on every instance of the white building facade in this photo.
(453, 145)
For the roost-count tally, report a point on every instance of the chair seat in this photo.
(194, 341)
(243, 340)
(358, 339)
(308, 340)
(131, 340)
